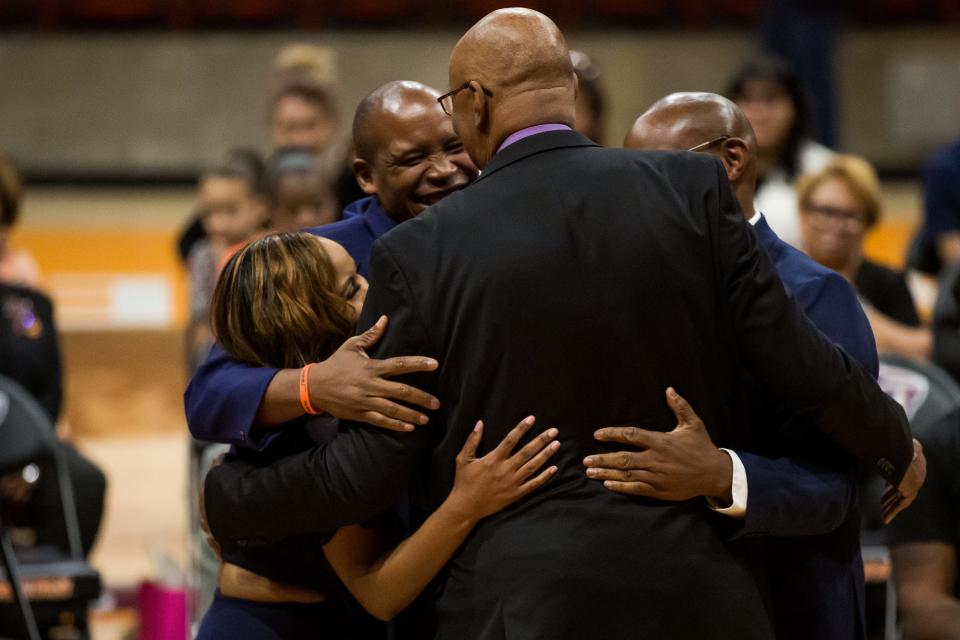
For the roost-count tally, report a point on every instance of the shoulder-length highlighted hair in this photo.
(277, 303)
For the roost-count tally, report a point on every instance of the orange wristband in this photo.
(305, 391)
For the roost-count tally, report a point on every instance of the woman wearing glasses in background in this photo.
(838, 205)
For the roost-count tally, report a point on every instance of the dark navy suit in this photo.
(810, 510)
(223, 397)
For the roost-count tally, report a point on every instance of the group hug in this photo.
(534, 388)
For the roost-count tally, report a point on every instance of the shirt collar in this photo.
(531, 131)
(757, 216)
(377, 219)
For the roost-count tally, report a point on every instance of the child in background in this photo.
(299, 191)
(233, 211)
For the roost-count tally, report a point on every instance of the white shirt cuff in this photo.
(738, 509)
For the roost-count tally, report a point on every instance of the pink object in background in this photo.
(163, 612)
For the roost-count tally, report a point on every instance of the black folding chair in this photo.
(45, 581)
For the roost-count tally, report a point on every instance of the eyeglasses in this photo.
(852, 219)
(446, 100)
(708, 144)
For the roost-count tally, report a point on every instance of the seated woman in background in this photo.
(288, 300)
(838, 205)
(770, 94)
(17, 266)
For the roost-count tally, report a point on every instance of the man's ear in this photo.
(480, 106)
(735, 155)
(364, 172)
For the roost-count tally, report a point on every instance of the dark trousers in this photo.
(231, 618)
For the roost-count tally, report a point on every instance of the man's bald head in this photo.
(514, 50)
(518, 66)
(702, 122)
(683, 121)
(390, 101)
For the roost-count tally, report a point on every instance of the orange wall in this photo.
(112, 251)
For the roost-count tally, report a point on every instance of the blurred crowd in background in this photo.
(814, 194)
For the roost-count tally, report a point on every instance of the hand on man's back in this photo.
(675, 465)
(352, 386)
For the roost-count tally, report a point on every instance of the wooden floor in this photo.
(100, 252)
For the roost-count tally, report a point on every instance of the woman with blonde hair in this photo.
(838, 204)
(288, 300)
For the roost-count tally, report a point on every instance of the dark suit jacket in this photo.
(807, 505)
(575, 283)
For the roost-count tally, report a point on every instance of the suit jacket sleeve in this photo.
(359, 474)
(222, 400)
(793, 497)
(796, 362)
(799, 495)
(836, 311)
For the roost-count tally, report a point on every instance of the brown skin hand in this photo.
(521, 59)
(677, 465)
